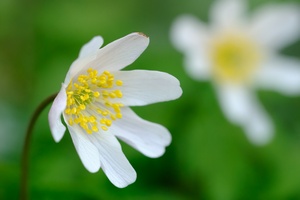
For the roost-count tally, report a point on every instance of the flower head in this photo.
(239, 55)
(94, 101)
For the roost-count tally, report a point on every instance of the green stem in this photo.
(25, 153)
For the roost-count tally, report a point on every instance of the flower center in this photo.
(235, 58)
(90, 101)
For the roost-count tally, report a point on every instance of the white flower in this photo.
(94, 101)
(239, 55)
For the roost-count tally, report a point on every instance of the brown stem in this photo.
(25, 153)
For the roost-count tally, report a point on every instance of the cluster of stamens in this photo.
(235, 57)
(90, 97)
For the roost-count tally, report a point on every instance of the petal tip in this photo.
(127, 182)
(93, 169)
(142, 37)
(180, 91)
(143, 34)
(58, 137)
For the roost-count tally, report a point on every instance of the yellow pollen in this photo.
(119, 115)
(89, 104)
(113, 117)
(71, 122)
(118, 93)
(108, 122)
(119, 83)
(82, 107)
(92, 119)
(104, 128)
(96, 94)
(95, 128)
(73, 111)
(112, 95)
(103, 121)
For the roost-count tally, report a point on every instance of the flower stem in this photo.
(25, 153)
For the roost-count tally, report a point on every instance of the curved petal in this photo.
(281, 74)
(276, 26)
(242, 108)
(78, 66)
(86, 55)
(120, 53)
(141, 87)
(91, 47)
(86, 150)
(54, 116)
(228, 13)
(112, 57)
(113, 161)
(149, 138)
(188, 33)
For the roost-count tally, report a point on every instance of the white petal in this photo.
(86, 55)
(79, 66)
(113, 161)
(189, 33)
(191, 36)
(276, 26)
(54, 116)
(121, 52)
(235, 102)
(112, 57)
(280, 73)
(228, 13)
(149, 138)
(259, 128)
(86, 150)
(91, 47)
(141, 87)
(243, 109)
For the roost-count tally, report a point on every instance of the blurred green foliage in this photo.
(209, 158)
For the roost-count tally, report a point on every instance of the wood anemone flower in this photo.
(94, 101)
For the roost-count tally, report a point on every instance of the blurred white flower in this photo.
(94, 101)
(239, 55)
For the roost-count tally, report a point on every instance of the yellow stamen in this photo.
(119, 83)
(84, 96)
(104, 128)
(235, 57)
(82, 107)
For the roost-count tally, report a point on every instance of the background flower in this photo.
(209, 158)
(239, 55)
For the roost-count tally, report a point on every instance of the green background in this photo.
(209, 158)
